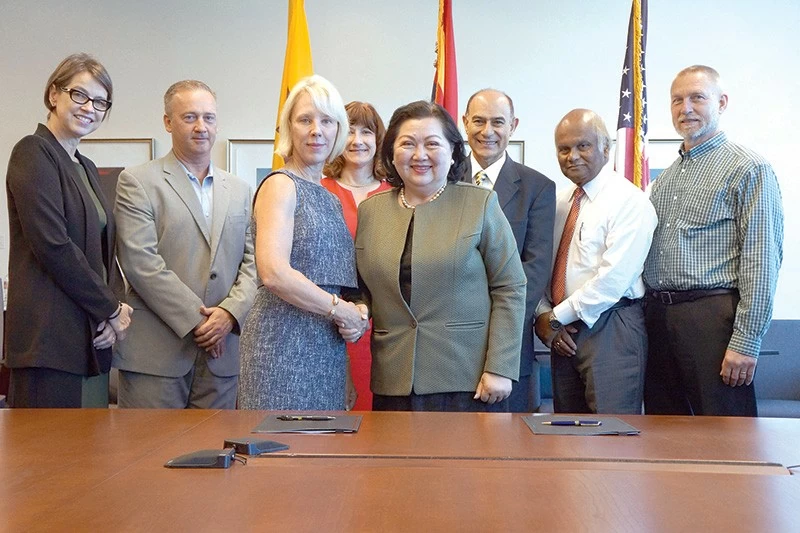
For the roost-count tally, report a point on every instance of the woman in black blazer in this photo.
(63, 316)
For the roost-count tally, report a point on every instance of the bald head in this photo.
(489, 122)
(591, 120)
(582, 145)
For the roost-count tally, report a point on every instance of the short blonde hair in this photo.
(326, 99)
(710, 72)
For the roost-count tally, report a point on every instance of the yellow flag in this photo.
(297, 63)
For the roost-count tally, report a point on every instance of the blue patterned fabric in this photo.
(292, 358)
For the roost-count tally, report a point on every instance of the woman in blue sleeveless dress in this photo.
(292, 352)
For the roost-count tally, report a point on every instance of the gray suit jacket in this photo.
(467, 295)
(175, 263)
(528, 199)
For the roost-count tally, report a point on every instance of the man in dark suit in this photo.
(527, 198)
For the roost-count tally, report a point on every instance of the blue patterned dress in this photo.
(291, 358)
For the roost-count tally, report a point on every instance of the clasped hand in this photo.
(352, 320)
(113, 329)
(559, 341)
(212, 330)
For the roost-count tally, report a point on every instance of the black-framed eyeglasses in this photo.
(80, 97)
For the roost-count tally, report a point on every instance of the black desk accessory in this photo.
(206, 459)
(251, 446)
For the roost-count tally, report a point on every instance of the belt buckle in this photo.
(665, 297)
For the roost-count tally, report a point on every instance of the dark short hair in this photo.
(419, 110)
(70, 67)
(361, 113)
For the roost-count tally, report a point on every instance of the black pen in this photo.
(312, 418)
(573, 423)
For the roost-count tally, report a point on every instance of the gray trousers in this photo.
(606, 375)
(199, 389)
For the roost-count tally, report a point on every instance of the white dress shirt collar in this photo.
(492, 171)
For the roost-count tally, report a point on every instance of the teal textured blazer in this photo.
(467, 291)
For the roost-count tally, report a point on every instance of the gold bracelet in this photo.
(332, 312)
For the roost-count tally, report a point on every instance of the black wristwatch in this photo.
(555, 325)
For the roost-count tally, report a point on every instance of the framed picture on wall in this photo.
(118, 152)
(112, 156)
(662, 153)
(516, 151)
(250, 159)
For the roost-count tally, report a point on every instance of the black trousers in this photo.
(525, 396)
(441, 401)
(687, 346)
(49, 388)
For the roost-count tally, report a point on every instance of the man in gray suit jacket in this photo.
(527, 198)
(187, 253)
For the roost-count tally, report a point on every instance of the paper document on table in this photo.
(608, 425)
(308, 423)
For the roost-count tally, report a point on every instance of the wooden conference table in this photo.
(102, 470)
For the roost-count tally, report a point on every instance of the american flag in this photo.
(631, 157)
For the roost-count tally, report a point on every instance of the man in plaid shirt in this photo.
(713, 265)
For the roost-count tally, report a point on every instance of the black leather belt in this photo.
(679, 297)
(624, 302)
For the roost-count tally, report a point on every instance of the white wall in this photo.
(549, 55)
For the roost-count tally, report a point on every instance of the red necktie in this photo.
(558, 285)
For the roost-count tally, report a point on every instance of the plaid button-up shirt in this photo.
(720, 225)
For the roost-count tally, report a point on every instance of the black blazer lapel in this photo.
(91, 228)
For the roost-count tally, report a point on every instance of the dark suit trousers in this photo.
(525, 396)
(606, 375)
(687, 346)
(49, 388)
(442, 401)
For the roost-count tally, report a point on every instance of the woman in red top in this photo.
(352, 177)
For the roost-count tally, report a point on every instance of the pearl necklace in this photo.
(434, 197)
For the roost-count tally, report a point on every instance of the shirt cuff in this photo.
(543, 307)
(745, 345)
(565, 313)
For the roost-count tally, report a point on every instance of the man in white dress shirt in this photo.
(591, 315)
